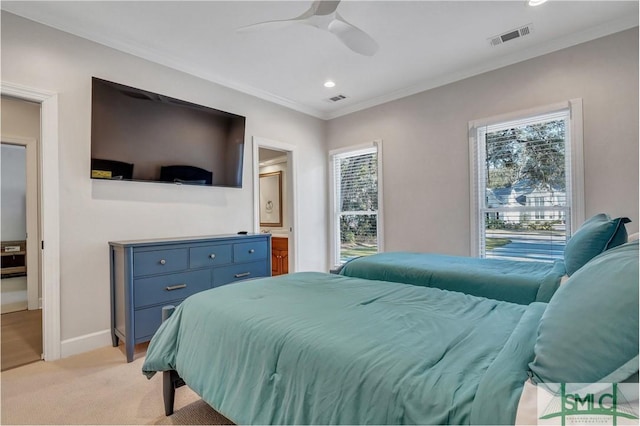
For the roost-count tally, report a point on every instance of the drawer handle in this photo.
(162, 261)
(175, 287)
(242, 275)
(212, 255)
(252, 251)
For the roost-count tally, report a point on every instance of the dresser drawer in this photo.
(201, 257)
(149, 274)
(170, 287)
(247, 252)
(160, 261)
(229, 274)
(148, 321)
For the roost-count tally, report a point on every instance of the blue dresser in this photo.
(149, 274)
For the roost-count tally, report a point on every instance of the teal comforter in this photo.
(319, 348)
(512, 281)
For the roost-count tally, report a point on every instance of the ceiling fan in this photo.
(323, 15)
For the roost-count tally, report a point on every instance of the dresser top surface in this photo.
(174, 240)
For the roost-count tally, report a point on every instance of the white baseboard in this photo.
(88, 342)
(13, 307)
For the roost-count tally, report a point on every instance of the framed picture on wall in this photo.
(271, 199)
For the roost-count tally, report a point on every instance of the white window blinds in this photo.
(523, 193)
(355, 201)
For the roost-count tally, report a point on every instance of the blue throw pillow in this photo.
(589, 331)
(596, 235)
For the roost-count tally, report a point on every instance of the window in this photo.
(527, 182)
(356, 192)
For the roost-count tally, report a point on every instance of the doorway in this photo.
(274, 200)
(20, 283)
(48, 173)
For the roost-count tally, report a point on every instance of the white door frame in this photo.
(292, 205)
(32, 216)
(49, 211)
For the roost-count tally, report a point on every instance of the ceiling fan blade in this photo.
(324, 7)
(353, 37)
(268, 25)
(282, 23)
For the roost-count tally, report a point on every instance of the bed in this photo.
(315, 348)
(520, 282)
(508, 280)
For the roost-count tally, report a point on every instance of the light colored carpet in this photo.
(98, 387)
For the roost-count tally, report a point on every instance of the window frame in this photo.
(334, 231)
(576, 159)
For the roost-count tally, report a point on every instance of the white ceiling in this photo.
(423, 44)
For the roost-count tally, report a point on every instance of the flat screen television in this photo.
(143, 136)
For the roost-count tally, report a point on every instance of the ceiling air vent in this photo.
(337, 98)
(511, 35)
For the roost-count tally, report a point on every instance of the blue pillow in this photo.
(596, 235)
(589, 331)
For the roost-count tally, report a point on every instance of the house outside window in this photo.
(527, 191)
(356, 195)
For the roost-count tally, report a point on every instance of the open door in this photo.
(49, 224)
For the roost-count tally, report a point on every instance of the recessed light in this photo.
(329, 84)
(536, 2)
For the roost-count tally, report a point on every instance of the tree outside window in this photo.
(523, 174)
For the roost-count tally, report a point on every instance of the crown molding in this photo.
(593, 33)
(154, 56)
(178, 64)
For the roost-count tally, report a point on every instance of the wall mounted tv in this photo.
(143, 136)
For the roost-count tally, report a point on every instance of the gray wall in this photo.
(425, 153)
(426, 145)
